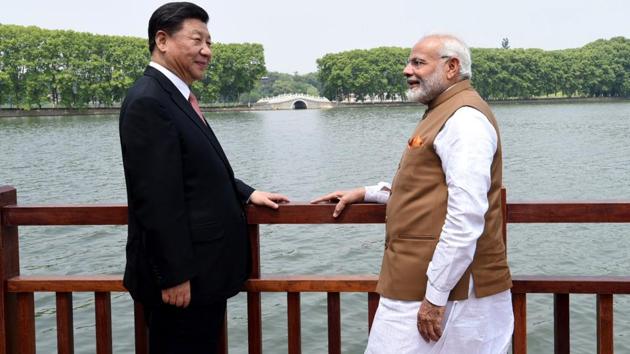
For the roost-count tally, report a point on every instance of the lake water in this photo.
(577, 152)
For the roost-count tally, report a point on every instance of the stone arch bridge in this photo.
(293, 101)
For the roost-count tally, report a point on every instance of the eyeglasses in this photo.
(417, 62)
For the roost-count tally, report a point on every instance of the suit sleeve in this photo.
(244, 191)
(153, 168)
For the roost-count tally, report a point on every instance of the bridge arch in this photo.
(299, 104)
(293, 101)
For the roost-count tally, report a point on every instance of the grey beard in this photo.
(427, 90)
(416, 95)
(425, 94)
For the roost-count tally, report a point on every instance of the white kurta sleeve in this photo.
(466, 145)
(378, 193)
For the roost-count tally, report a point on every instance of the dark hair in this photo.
(170, 16)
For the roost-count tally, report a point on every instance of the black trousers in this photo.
(193, 330)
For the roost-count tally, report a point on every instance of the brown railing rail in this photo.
(17, 321)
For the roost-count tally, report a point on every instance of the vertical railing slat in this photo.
(605, 324)
(103, 323)
(254, 312)
(519, 339)
(373, 299)
(561, 329)
(65, 323)
(254, 325)
(9, 267)
(294, 325)
(26, 323)
(334, 323)
(140, 329)
(504, 216)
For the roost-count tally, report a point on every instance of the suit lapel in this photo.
(186, 107)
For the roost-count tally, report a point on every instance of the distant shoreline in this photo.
(16, 113)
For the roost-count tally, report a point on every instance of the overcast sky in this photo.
(295, 33)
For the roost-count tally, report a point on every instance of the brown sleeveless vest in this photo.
(416, 212)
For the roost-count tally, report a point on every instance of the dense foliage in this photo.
(599, 69)
(41, 67)
(374, 72)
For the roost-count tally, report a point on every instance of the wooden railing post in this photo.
(26, 323)
(334, 323)
(103, 315)
(65, 324)
(254, 312)
(373, 300)
(605, 324)
(294, 323)
(519, 339)
(504, 216)
(561, 332)
(9, 267)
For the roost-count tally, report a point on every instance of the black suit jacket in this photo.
(186, 209)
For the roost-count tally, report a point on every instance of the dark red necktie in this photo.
(195, 104)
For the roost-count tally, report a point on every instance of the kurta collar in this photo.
(450, 92)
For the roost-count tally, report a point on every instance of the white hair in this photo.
(454, 47)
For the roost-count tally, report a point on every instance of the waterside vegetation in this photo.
(55, 68)
(67, 69)
(598, 69)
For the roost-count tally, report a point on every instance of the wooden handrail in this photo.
(66, 283)
(17, 306)
(53, 215)
(569, 212)
(302, 213)
(540, 284)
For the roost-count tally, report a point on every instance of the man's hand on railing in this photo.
(342, 198)
(267, 199)
(179, 295)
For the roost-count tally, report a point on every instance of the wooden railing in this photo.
(17, 323)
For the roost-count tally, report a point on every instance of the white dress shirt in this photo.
(179, 83)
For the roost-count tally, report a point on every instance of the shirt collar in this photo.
(179, 83)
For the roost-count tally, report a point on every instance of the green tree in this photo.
(600, 68)
(236, 67)
(64, 68)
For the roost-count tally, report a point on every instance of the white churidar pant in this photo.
(472, 326)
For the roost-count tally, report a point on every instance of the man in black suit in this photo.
(187, 249)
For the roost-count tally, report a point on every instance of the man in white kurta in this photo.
(466, 146)
(476, 325)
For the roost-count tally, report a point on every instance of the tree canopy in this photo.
(40, 67)
(599, 69)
